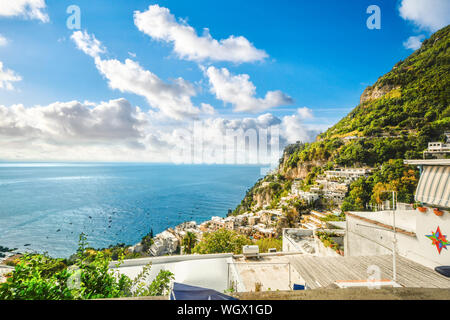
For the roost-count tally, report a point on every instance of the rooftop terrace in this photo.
(320, 272)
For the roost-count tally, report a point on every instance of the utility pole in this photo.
(394, 249)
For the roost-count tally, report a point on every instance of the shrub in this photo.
(221, 241)
(268, 243)
(40, 277)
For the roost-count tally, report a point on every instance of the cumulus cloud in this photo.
(30, 9)
(7, 77)
(293, 128)
(158, 23)
(246, 140)
(305, 113)
(172, 99)
(208, 109)
(116, 131)
(240, 92)
(414, 42)
(429, 15)
(87, 43)
(3, 41)
(68, 123)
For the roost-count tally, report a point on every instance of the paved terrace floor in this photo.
(320, 272)
(272, 272)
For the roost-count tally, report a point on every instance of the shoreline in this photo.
(9, 252)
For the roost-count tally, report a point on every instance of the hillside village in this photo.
(331, 187)
(366, 204)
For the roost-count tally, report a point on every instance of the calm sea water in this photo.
(44, 207)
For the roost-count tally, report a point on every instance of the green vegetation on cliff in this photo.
(396, 118)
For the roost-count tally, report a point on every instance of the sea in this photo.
(44, 207)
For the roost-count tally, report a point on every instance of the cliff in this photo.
(396, 118)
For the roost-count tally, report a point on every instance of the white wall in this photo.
(362, 240)
(288, 245)
(210, 271)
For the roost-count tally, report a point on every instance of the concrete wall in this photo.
(234, 278)
(288, 245)
(362, 240)
(323, 251)
(208, 271)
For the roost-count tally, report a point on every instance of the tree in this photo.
(268, 243)
(292, 216)
(221, 241)
(189, 242)
(147, 241)
(359, 195)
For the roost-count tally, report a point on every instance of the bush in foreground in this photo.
(40, 277)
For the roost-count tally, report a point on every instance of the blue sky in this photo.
(320, 55)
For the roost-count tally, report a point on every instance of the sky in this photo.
(143, 80)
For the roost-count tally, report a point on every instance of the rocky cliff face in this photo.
(375, 92)
(262, 197)
(301, 170)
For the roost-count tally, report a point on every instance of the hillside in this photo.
(396, 118)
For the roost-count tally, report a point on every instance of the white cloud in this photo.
(7, 77)
(109, 131)
(116, 131)
(429, 15)
(208, 109)
(3, 41)
(246, 140)
(68, 123)
(158, 23)
(414, 42)
(294, 130)
(305, 113)
(172, 99)
(30, 9)
(87, 43)
(239, 91)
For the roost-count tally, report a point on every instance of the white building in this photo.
(309, 197)
(164, 243)
(337, 196)
(439, 148)
(346, 174)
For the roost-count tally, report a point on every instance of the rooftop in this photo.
(320, 272)
(272, 272)
(430, 162)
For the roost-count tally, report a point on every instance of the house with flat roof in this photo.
(346, 174)
(438, 149)
(369, 271)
